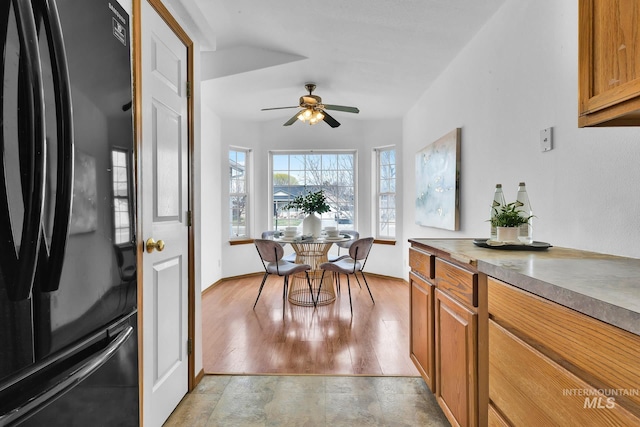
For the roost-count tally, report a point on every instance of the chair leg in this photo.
(358, 280)
(285, 285)
(320, 287)
(365, 282)
(350, 303)
(314, 301)
(264, 278)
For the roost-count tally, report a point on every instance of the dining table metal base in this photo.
(299, 289)
(313, 254)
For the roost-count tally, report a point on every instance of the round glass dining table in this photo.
(312, 251)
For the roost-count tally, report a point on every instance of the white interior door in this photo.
(164, 205)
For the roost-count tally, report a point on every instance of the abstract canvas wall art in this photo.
(437, 183)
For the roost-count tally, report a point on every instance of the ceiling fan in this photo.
(313, 110)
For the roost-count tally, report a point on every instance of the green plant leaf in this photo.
(315, 202)
(509, 216)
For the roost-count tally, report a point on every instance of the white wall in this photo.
(208, 201)
(516, 77)
(262, 137)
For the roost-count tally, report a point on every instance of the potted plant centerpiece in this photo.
(507, 220)
(312, 203)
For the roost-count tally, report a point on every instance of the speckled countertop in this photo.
(605, 287)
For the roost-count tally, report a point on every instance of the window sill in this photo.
(246, 241)
(384, 242)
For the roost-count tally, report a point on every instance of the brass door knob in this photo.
(152, 244)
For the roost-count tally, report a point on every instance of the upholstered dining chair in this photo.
(271, 256)
(350, 265)
(346, 244)
(270, 235)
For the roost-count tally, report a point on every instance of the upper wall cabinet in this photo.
(609, 63)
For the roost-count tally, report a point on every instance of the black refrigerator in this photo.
(68, 299)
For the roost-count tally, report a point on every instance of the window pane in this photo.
(240, 158)
(329, 161)
(384, 186)
(297, 162)
(280, 162)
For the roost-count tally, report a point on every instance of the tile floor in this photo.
(239, 401)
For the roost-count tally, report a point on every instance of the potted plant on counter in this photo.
(312, 204)
(507, 220)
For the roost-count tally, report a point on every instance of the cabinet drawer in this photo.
(588, 347)
(457, 282)
(422, 262)
(530, 389)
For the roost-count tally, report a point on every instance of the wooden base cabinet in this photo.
(456, 360)
(422, 332)
(421, 338)
(550, 365)
(444, 311)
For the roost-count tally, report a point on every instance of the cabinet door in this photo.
(422, 332)
(456, 369)
(609, 63)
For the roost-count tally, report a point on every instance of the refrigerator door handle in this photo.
(40, 400)
(19, 269)
(6, 235)
(51, 259)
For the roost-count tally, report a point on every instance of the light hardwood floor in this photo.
(326, 340)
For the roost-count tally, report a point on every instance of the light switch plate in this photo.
(546, 142)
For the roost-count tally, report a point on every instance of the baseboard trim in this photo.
(198, 378)
(227, 279)
(242, 276)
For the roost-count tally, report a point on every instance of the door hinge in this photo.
(189, 218)
(189, 347)
(188, 89)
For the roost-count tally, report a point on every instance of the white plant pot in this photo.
(507, 234)
(312, 224)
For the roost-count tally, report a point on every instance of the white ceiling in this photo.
(377, 55)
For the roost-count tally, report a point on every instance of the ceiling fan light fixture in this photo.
(309, 114)
(313, 110)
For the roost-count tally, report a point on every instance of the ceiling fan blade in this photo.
(341, 108)
(278, 108)
(292, 120)
(330, 120)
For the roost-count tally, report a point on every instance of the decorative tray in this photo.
(493, 244)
